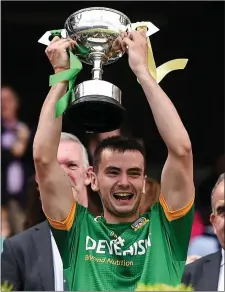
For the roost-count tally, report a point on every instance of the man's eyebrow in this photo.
(135, 169)
(69, 161)
(112, 168)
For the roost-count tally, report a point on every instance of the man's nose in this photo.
(123, 181)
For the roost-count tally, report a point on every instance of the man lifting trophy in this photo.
(121, 249)
(95, 104)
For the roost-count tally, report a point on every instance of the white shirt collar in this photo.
(222, 260)
(57, 266)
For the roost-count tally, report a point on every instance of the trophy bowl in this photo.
(97, 107)
(96, 29)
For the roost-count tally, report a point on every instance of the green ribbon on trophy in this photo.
(67, 75)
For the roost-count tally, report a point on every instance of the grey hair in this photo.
(69, 137)
(220, 179)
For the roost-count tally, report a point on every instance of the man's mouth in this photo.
(123, 196)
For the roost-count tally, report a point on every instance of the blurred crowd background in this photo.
(193, 30)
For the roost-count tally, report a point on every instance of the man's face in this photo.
(70, 157)
(120, 182)
(9, 104)
(218, 218)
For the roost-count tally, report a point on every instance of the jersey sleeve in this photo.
(178, 226)
(64, 232)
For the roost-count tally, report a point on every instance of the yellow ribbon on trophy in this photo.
(158, 73)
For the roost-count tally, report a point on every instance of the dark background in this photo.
(193, 30)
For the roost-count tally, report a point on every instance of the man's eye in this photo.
(72, 165)
(221, 214)
(113, 172)
(221, 211)
(136, 174)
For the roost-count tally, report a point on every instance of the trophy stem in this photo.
(98, 59)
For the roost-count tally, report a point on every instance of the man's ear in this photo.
(36, 179)
(94, 182)
(144, 185)
(88, 173)
(212, 220)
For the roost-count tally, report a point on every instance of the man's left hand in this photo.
(137, 49)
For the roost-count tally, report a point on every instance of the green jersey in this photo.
(101, 256)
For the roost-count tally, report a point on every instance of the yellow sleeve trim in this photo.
(173, 215)
(67, 223)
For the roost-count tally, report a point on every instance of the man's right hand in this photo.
(55, 188)
(57, 53)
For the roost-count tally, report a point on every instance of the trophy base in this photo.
(97, 107)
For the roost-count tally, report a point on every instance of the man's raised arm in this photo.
(55, 188)
(177, 185)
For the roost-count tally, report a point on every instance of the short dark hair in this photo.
(116, 143)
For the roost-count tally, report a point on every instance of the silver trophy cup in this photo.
(97, 107)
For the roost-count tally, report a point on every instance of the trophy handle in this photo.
(45, 39)
(151, 28)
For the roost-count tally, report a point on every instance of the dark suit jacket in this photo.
(27, 260)
(203, 274)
